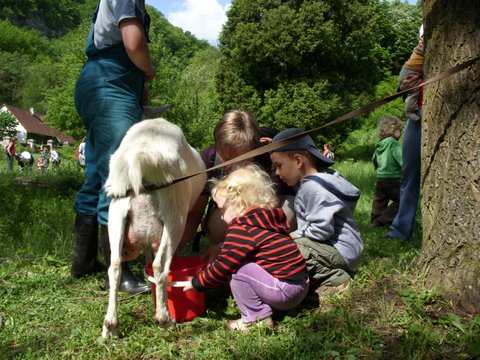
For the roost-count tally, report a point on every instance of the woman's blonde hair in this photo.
(246, 187)
(237, 128)
(388, 125)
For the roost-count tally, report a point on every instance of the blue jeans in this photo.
(9, 162)
(107, 98)
(404, 222)
(256, 292)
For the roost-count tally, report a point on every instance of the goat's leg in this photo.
(161, 265)
(117, 218)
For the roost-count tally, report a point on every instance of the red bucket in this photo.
(183, 306)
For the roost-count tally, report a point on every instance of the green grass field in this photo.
(388, 313)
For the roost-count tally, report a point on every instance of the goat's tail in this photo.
(141, 165)
(135, 167)
(125, 173)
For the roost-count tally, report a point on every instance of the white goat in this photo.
(153, 152)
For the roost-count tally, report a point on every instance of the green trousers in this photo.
(324, 263)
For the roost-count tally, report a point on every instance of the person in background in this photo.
(235, 134)
(327, 235)
(327, 151)
(43, 160)
(11, 152)
(263, 265)
(387, 160)
(25, 159)
(80, 153)
(108, 98)
(54, 156)
(404, 222)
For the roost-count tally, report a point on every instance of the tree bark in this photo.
(451, 153)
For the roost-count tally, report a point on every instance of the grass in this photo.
(389, 313)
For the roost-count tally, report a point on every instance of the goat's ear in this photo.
(153, 112)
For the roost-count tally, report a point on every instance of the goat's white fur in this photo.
(152, 152)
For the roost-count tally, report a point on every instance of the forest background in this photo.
(300, 63)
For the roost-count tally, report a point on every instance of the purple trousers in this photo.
(257, 292)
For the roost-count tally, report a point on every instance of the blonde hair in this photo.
(246, 187)
(237, 128)
(388, 125)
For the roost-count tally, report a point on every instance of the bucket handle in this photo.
(169, 283)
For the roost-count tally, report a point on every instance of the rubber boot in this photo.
(129, 282)
(85, 247)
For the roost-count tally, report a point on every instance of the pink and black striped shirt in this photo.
(260, 236)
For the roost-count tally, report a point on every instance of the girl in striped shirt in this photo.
(263, 264)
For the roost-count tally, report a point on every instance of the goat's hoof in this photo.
(109, 330)
(165, 321)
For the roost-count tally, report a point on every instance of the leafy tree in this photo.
(196, 106)
(302, 63)
(171, 50)
(171, 39)
(51, 17)
(11, 80)
(399, 32)
(14, 39)
(58, 99)
(7, 124)
(18, 48)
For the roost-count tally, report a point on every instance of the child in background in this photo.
(44, 158)
(54, 156)
(413, 67)
(327, 235)
(263, 264)
(327, 152)
(80, 153)
(387, 161)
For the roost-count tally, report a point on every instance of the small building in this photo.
(31, 130)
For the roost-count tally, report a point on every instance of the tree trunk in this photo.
(451, 153)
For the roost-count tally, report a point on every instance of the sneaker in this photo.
(395, 236)
(324, 290)
(239, 325)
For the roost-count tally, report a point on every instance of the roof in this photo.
(33, 124)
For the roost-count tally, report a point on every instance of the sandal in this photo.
(239, 325)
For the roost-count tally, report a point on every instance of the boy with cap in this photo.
(327, 235)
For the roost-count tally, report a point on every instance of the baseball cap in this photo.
(303, 143)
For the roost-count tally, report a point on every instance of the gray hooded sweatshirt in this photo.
(324, 206)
